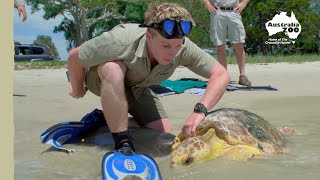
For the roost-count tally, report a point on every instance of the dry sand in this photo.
(41, 100)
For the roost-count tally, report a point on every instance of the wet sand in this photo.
(41, 100)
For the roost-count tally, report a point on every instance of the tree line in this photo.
(85, 19)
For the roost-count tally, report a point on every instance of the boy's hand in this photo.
(191, 124)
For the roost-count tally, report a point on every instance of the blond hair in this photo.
(158, 12)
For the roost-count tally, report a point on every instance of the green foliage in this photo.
(85, 19)
(94, 3)
(47, 41)
(257, 13)
(52, 9)
(133, 12)
(68, 28)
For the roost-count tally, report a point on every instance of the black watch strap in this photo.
(200, 108)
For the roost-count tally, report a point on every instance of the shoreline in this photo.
(47, 90)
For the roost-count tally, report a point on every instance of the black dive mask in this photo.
(170, 29)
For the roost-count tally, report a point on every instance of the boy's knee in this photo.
(113, 71)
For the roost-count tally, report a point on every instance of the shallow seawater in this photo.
(34, 161)
(300, 161)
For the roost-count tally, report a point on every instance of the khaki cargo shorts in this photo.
(226, 24)
(145, 109)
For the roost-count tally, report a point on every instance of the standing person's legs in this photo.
(218, 35)
(240, 56)
(222, 55)
(236, 34)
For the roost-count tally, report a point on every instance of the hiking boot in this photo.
(243, 80)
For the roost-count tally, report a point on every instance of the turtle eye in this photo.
(188, 161)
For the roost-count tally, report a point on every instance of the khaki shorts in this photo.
(145, 109)
(225, 24)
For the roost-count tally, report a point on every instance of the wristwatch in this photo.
(200, 108)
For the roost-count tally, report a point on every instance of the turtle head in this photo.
(190, 151)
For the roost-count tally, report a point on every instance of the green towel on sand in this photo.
(179, 86)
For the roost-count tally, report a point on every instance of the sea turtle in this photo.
(237, 134)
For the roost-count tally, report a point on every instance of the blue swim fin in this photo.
(68, 132)
(124, 164)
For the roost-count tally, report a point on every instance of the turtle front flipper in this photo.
(177, 140)
(243, 152)
(181, 137)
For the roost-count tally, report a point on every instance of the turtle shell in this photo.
(238, 126)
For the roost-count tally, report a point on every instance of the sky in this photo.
(27, 31)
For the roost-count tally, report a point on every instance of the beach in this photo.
(41, 100)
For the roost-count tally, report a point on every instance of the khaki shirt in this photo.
(127, 42)
(225, 3)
